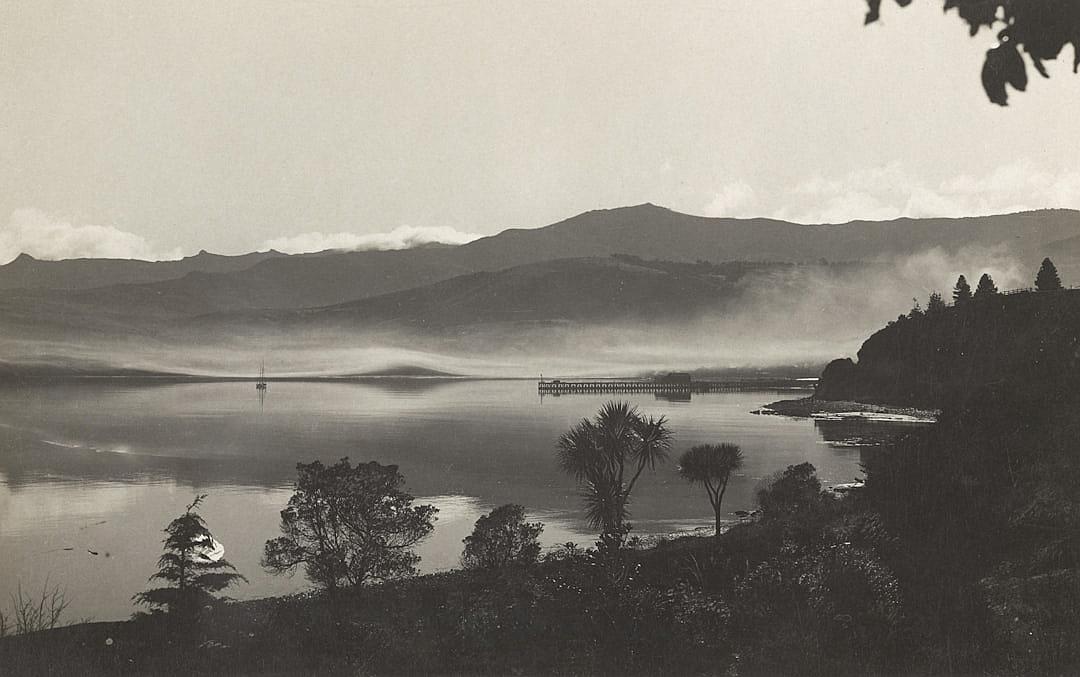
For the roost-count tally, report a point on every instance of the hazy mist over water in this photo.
(103, 467)
(791, 315)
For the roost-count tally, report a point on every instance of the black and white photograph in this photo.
(540, 337)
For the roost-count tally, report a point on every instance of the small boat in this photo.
(261, 383)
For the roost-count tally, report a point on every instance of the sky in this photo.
(156, 129)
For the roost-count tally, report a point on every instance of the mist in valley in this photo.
(798, 316)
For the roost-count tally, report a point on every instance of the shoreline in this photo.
(810, 407)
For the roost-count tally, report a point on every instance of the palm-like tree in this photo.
(711, 465)
(607, 455)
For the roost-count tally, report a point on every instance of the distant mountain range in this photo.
(559, 273)
(26, 272)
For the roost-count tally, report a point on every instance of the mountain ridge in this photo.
(645, 230)
(28, 272)
(277, 282)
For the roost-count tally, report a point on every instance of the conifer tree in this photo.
(1047, 279)
(936, 305)
(962, 291)
(916, 309)
(192, 571)
(986, 287)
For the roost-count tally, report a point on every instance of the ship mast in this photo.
(261, 384)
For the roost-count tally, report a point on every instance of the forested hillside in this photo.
(946, 355)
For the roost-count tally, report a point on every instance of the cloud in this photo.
(46, 236)
(732, 199)
(891, 192)
(402, 237)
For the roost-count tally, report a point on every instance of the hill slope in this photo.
(588, 291)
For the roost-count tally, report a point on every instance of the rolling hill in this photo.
(646, 231)
(582, 290)
(399, 283)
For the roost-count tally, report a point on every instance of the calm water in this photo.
(102, 468)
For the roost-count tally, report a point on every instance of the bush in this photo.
(793, 490)
(502, 538)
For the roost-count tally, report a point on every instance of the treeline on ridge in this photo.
(946, 354)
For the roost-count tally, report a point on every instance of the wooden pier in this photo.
(662, 387)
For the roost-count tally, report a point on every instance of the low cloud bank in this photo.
(402, 237)
(45, 236)
(893, 191)
(51, 237)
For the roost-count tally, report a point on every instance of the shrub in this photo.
(502, 538)
(789, 491)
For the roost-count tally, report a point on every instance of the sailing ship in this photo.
(261, 383)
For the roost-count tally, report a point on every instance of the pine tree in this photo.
(916, 309)
(193, 574)
(936, 305)
(1047, 279)
(962, 291)
(986, 287)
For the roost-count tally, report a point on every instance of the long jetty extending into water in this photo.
(665, 385)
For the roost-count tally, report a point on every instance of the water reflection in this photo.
(675, 396)
(101, 468)
(862, 433)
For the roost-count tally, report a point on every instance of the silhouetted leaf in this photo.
(1003, 65)
(1041, 28)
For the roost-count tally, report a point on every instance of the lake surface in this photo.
(101, 467)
